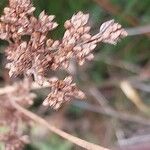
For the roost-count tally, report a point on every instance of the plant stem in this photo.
(67, 136)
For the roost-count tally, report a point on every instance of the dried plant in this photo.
(39, 54)
(12, 119)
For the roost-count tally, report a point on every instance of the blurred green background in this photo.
(130, 58)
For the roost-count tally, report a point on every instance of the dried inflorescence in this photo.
(32, 53)
(39, 53)
(62, 91)
(14, 141)
(12, 119)
(22, 93)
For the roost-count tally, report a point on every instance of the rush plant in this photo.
(35, 55)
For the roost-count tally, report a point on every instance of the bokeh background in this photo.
(116, 112)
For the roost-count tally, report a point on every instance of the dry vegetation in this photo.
(34, 58)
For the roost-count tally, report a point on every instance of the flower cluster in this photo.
(62, 91)
(32, 53)
(38, 54)
(12, 119)
(14, 141)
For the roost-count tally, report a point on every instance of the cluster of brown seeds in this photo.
(62, 91)
(11, 119)
(36, 54)
(39, 53)
(14, 141)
